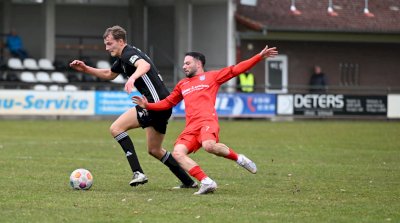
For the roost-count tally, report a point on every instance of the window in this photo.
(276, 74)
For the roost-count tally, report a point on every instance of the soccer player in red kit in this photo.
(199, 91)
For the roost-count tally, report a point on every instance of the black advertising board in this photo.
(338, 104)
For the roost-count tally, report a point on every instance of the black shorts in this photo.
(157, 119)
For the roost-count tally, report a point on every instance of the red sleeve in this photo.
(173, 99)
(227, 73)
(160, 106)
(245, 65)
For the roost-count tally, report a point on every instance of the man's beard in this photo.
(189, 75)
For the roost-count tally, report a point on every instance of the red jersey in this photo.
(199, 93)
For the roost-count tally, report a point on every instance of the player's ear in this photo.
(121, 41)
(199, 64)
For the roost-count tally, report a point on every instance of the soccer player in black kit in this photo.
(142, 74)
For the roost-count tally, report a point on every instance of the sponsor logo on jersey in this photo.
(133, 59)
(202, 77)
(194, 88)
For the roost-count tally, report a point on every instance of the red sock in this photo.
(197, 173)
(232, 155)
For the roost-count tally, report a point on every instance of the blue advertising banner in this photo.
(113, 102)
(231, 105)
(20, 102)
(239, 105)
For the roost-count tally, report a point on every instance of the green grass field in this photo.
(311, 171)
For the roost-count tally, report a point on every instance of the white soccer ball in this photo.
(81, 179)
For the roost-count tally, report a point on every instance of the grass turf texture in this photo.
(307, 172)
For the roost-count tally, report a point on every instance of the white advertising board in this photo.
(393, 106)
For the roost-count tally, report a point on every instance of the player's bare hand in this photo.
(78, 65)
(268, 52)
(140, 100)
(129, 85)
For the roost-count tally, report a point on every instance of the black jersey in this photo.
(150, 84)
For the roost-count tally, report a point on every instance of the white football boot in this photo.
(138, 178)
(247, 163)
(207, 188)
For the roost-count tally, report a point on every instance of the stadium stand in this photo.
(15, 64)
(54, 87)
(70, 87)
(43, 77)
(103, 64)
(45, 64)
(30, 64)
(27, 76)
(40, 87)
(58, 77)
(60, 65)
(88, 78)
(74, 77)
(10, 76)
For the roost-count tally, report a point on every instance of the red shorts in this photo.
(193, 139)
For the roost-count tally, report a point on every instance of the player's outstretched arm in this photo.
(105, 74)
(78, 65)
(268, 52)
(157, 106)
(247, 64)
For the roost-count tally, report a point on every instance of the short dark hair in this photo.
(117, 32)
(197, 56)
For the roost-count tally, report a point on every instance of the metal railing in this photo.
(291, 89)
(331, 89)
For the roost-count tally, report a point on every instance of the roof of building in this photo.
(312, 15)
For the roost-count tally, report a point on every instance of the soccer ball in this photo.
(81, 179)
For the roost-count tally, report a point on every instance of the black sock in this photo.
(126, 143)
(171, 163)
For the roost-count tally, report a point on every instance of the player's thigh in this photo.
(124, 122)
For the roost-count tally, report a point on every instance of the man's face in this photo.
(190, 66)
(317, 70)
(113, 46)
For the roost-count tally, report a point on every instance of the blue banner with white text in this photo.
(27, 102)
(113, 102)
(239, 105)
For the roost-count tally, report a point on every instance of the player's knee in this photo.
(209, 147)
(154, 151)
(113, 131)
(150, 152)
(116, 129)
(178, 155)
